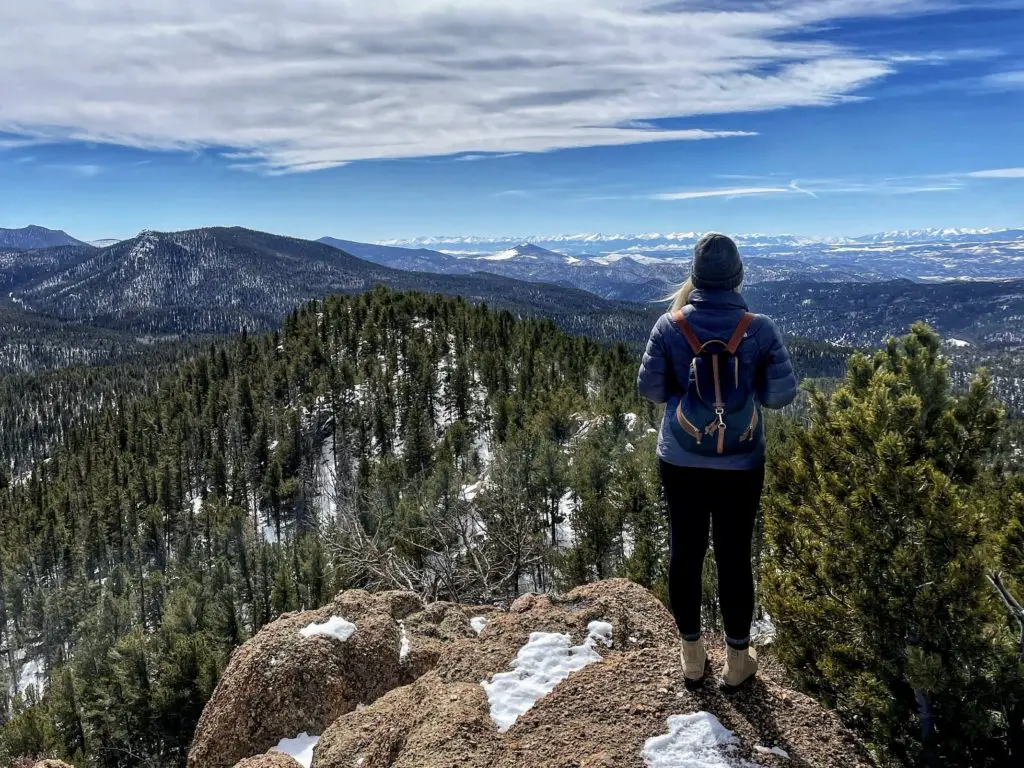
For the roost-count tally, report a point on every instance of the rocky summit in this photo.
(590, 678)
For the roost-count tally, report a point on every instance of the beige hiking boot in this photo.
(740, 667)
(694, 659)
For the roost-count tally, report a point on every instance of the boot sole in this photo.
(693, 685)
(729, 690)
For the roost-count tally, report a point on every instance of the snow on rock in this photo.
(403, 651)
(301, 748)
(696, 740)
(545, 661)
(958, 343)
(478, 623)
(777, 751)
(335, 627)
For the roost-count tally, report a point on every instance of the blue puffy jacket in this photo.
(666, 368)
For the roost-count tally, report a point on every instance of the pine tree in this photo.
(875, 571)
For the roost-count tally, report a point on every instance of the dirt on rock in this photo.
(269, 760)
(428, 723)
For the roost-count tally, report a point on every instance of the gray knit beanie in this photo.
(716, 263)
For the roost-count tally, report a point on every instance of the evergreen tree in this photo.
(875, 574)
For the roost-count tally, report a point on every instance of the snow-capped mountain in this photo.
(105, 243)
(524, 252)
(646, 266)
(596, 243)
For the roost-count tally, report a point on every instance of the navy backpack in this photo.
(717, 414)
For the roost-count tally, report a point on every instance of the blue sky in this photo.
(399, 118)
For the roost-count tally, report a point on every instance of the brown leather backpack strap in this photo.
(741, 329)
(687, 331)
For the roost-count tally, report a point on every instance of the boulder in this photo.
(428, 723)
(51, 764)
(282, 682)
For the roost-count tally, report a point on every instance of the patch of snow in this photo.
(541, 664)
(269, 533)
(600, 631)
(777, 751)
(327, 476)
(478, 623)
(33, 675)
(469, 492)
(762, 631)
(300, 748)
(958, 343)
(403, 651)
(565, 537)
(335, 627)
(697, 740)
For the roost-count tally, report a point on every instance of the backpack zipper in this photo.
(686, 424)
(749, 434)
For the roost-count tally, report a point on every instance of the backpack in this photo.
(716, 415)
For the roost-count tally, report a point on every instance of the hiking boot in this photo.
(694, 659)
(740, 668)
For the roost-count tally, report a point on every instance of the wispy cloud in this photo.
(20, 143)
(998, 173)
(85, 170)
(493, 156)
(1004, 81)
(815, 188)
(696, 194)
(301, 85)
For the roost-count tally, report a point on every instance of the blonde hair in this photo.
(681, 297)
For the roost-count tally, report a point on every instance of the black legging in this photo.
(728, 499)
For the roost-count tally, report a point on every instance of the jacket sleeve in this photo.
(776, 380)
(654, 367)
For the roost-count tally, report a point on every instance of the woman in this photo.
(712, 470)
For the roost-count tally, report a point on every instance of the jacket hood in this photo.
(717, 299)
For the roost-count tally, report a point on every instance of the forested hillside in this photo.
(156, 514)
(382, 440)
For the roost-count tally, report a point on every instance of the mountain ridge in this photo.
(33, 236)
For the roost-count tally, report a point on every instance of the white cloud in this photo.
(998, 173)
(729, 192)
(293, 85)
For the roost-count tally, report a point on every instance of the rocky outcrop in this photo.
(587, 679)
(51, 764)
(283, 682)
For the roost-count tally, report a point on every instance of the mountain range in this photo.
(646, 267)
(218, 280)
